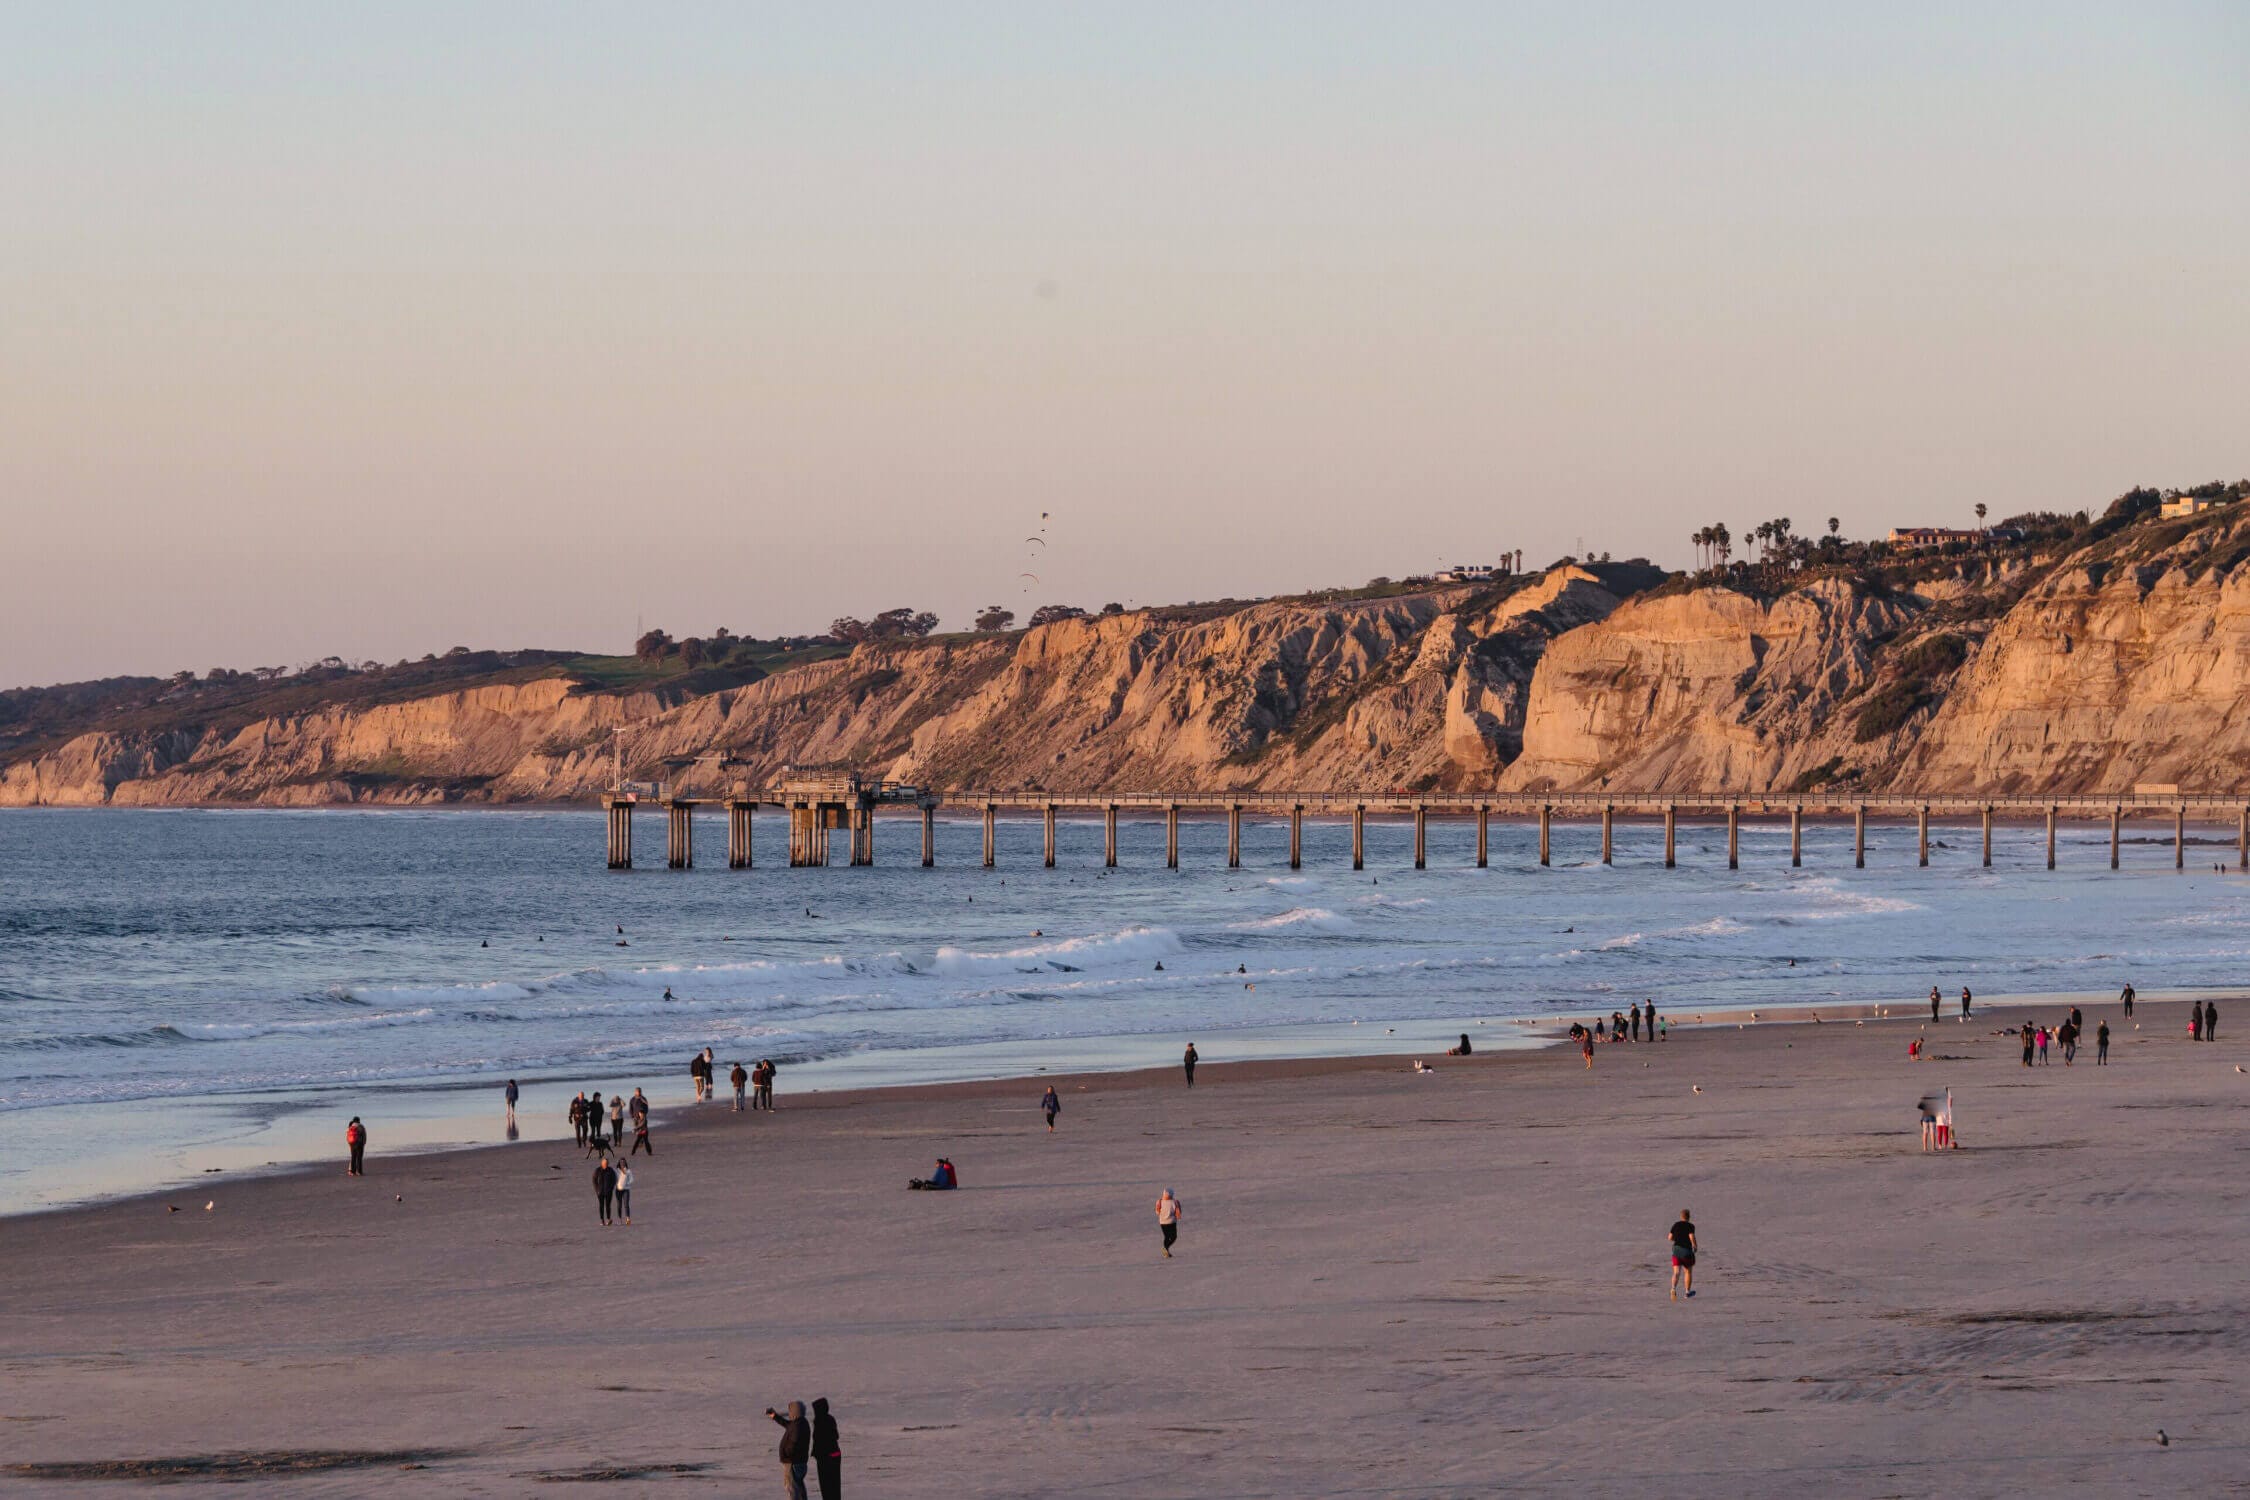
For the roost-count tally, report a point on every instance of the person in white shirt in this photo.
(624, 1191)
(1168, 1220)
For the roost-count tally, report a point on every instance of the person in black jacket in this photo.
(796, 1448)
(605, 1184)
(827, 1452)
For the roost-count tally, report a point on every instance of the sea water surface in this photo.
(186, 994)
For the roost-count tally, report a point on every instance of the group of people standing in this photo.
(814, 1445)
(587, 1121)
(753, 1087)
(2067, 1035)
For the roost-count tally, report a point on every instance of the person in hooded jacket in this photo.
(796, 1448)
(827, 1452)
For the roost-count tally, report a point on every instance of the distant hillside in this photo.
(2065, 653)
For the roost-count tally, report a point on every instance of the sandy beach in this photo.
(1387, 1283)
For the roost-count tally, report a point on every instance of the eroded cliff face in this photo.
(2124, 663)
(1423, 690)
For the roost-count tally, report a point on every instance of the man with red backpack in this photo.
(355, 1136)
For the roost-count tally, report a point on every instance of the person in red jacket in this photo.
(355, 1136)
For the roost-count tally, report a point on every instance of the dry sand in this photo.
(1386, 1284)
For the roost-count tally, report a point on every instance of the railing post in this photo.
(1797, 837)
(1359, 836)
(1734, 836)
(1484, 828)
(990, 854)
(1671, 811)
(1859, 837)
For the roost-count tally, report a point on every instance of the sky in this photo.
(376, 330)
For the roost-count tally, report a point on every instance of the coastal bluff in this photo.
(2088, 671)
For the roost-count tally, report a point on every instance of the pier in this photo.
(826, 799)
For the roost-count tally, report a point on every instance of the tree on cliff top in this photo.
(1049, 614)
(995, 617)
(654, 646)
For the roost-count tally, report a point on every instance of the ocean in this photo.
(187, 994)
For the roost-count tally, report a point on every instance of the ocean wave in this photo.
(1127, 946)
(1297, 918)
(237, 1031)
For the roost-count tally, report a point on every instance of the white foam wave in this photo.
(1297, 918)
(1130, 945)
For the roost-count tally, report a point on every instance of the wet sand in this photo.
(1386, 1284)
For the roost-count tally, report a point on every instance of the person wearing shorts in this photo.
(1683, 1256)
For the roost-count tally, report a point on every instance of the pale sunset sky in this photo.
(379, 329)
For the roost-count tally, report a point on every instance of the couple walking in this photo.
(815, 1445)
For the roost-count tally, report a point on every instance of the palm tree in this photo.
(1980, 515)
(1724, 540)
(1834, 526)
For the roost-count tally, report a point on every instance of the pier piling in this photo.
(1297, 837)
(1048, 821)
(1734, 837)
(1988, 835)
(2179, 838)
(1859, 838)
(1421, 835)
(1359, 836)
(679, 843)
(1608, 815)
(1546, 814)
(620, 820)
(1922, 832)
(739, 823)
(1172, 836)
(990, 853)
(2052, 814)
(1671, 817)
(1796, 838)
(1484, 831)
(1234, 835)
(929, 836)
(2117, 818)
(1109, 836)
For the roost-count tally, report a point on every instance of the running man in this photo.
(1683, 1256)
(1168, 1220)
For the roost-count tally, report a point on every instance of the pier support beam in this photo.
(1048, 829)
(2242, 847)
(863, 836)
(739, 816)
(1297, 837)
(1172, 836)
(2117, 818)
(620, 821)
(1484, 834)
(2050, 838)
(679, 843)
(1109, 837)
(990, 854)
(1671, 817)
(1734, 837)
(1421, 835)
(1608, 813)
(1359, 837)
(1546, 818)
(1796, 838)
(1859, 838)
(1988, 835)
(1922, 827)
(1234, 835)
(929, 836)
(2179, 838)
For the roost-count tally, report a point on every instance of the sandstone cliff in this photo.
(2090, 669)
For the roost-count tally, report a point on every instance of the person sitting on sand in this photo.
(1683, 1256)
(1050, 1105)
(942, 1178)
(1460, 1051)
(1914, 1050)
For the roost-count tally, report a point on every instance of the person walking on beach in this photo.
(1168, 1220)
(2101, 1045)
(1683, 1256)
(796, 1448)
(1933, 1002)
(740, 1078)
(2029, 1043)
(605, 1185)
(511, 1098)
(594, 1136)
(640, 1134)
(617, 1119)
(1964, 1002)
(1586, 1045)
(1187, 1064)
(2126, 996)
(764, 1083)
(638, 1109)
(1050, 1105)
(2043, 1034)
(827, 1451)
(578, 1118)
(355, 1137)
(624, 1192)
(2067, 1034)
(698, 1077)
